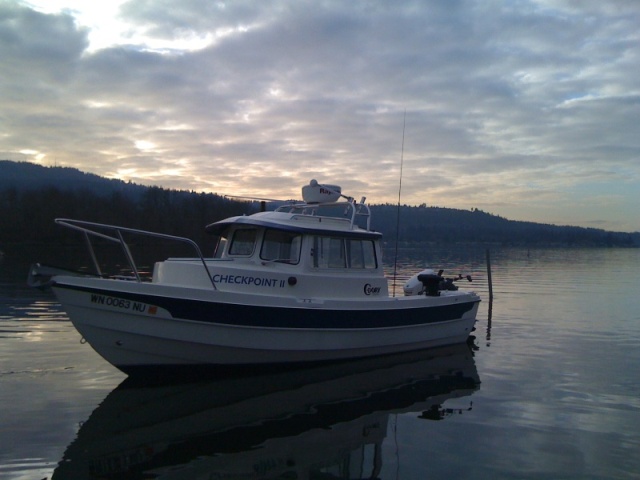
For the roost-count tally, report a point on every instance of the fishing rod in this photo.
(395, 259)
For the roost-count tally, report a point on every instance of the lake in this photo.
(549, 388)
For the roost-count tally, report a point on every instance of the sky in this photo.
(527, 109)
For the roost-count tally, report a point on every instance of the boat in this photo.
(300, 423)
(299, 284)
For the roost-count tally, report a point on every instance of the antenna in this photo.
(395, 259)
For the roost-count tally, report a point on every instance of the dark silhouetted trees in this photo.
(32, 196)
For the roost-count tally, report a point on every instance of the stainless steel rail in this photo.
(351, 210)
(115, 235)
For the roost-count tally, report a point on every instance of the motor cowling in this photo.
(432, 283)
(414, 286)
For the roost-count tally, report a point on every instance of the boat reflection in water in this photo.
(323, 422)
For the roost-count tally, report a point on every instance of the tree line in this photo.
(27, 216)
(446, 225)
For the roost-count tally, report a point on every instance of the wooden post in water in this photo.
(489, 276)
(490, 312)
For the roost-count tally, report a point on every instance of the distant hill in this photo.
(446, 225)
(30, 176)
(31, 196)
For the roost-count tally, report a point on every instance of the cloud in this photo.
(501, 102)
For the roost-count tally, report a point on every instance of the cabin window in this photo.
(243, 242)
(361, 254)
(280, 246)
(331, 252)
(218, 249)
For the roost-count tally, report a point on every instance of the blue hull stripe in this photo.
(280, 317)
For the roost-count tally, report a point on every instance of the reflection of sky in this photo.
(563, 392)
(49, 383)
(529, 112)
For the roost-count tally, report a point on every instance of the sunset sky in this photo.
(527, 109)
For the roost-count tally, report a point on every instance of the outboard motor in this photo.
(431, 283)
(415, 286)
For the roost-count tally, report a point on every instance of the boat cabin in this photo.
(302, 249)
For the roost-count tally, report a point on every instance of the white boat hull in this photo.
(137, 325)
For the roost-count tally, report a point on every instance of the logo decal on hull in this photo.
(371, 290)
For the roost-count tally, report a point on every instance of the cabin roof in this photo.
(295, 222)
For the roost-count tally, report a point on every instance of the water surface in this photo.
(550, 389)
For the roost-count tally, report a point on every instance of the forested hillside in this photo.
(32, 196)
(28, 216)
(445, 225)
(29, 176)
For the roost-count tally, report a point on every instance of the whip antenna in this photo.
(395, 259)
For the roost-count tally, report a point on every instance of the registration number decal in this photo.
(123, 304)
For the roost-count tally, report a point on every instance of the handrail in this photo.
(81, 226)
(355, 209)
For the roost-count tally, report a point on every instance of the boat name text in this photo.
(247, 280)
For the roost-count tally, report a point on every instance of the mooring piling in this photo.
(489, 275)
